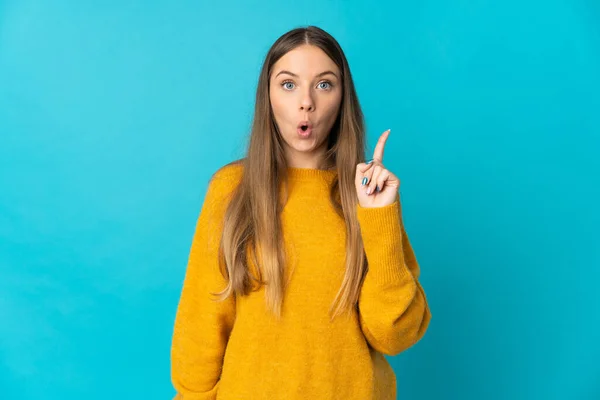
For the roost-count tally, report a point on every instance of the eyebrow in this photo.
(296, 76)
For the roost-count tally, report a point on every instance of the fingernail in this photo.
(364, 181)
(369, 191)
(377, 188)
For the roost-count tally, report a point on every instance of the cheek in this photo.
(332, 107)
(278, 104)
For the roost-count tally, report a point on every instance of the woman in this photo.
(300, 275)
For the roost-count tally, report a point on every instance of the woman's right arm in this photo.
(202, 325)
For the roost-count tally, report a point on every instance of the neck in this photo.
(310, 164)
(313, 160)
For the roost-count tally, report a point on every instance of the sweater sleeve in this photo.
(393, 309)
(202, 325)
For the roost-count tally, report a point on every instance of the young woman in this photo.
(300, 275)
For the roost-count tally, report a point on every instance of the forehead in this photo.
(305, 60)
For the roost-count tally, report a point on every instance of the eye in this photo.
(284, 83)
(327, 83)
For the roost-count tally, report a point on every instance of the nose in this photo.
(307, 103)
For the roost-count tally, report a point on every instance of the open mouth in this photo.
(304, 128)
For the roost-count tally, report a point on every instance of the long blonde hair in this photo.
(252, 220)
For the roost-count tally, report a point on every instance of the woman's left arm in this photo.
(393, 309)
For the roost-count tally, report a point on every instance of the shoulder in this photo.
(229, 172)
(225, 179)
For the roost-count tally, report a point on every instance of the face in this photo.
(305, 89)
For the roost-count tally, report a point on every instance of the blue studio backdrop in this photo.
(114, 114)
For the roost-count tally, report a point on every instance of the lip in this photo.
(306, 123)
(308, 130)
(305, 133)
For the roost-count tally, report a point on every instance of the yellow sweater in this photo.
(235, 350)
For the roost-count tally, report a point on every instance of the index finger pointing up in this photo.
(378, 152)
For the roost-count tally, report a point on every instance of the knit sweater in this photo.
(237, 350)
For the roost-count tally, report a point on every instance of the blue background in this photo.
(114, 114)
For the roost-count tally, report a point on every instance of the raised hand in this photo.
(375, 185)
